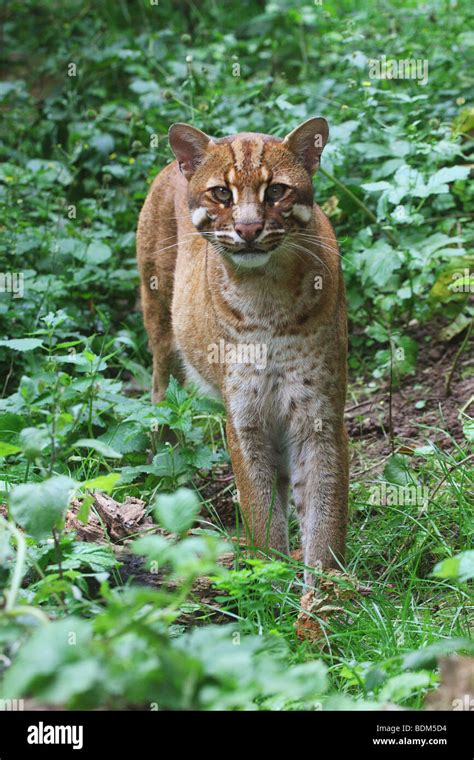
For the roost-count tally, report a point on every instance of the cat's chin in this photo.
(250, 260)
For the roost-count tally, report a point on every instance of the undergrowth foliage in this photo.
(86, 104)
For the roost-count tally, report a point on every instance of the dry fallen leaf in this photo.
(120, 520)
(317, 605)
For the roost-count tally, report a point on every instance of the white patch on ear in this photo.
(199, 216)
(302, 213)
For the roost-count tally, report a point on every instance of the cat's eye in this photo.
(222, 194)
(275, 192)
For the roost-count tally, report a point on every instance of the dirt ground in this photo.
(421, 410)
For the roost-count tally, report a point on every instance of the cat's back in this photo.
(157, 222)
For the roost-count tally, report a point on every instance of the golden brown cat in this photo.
(243, 295)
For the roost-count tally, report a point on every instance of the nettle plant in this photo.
(73, 635)
(393, 176)
(125, 650)
(71, 414)
(404, 264)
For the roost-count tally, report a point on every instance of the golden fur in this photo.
(242, 293)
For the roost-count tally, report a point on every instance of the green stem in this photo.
(26, 609)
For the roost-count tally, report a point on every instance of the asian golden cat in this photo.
(243, 295)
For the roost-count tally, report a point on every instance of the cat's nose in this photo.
(248, 231)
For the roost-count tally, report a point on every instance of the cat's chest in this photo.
(275, 352)
(276, 377)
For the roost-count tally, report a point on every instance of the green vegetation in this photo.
(88, 95)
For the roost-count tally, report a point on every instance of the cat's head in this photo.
(249, 192)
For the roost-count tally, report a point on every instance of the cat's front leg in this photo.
(319, 464)
(262, 484)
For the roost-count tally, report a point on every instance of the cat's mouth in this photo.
(249, 258)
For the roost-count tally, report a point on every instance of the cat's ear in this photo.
(307, 142)
(189, 145)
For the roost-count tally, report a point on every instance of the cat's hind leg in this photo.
(156, 254)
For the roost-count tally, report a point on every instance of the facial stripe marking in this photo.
(261, 192)
(268, 234)
(283, 179)
(256, 153)
(247, 153)
(215, 182)
(239, 155)
(199, 216)
(230, 234)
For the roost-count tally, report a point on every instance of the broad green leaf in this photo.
(50, 171)
(459, 567)
(455, 328)
(468, 430)
(170, 463)
(33, 441)
(438, 183)
(129, 474)
(103, 142)
(379, 263)
(8, 87)
(427, 656)
(177, 512)
(154, 548)
(102, 448)
(464, 284)
(96, 557)
(22, 344)
(75, 678)
(39, 507)
(466, 39)
(95, 253)
(402, 686)
(10, 426)
(42, 659)
(447, 284)
(406, 182)
(464, 123)
(375, 187)
(396, 471)
(405, 352)
(70, 247)
(6, 449)
(102, 482)
(125, 437)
